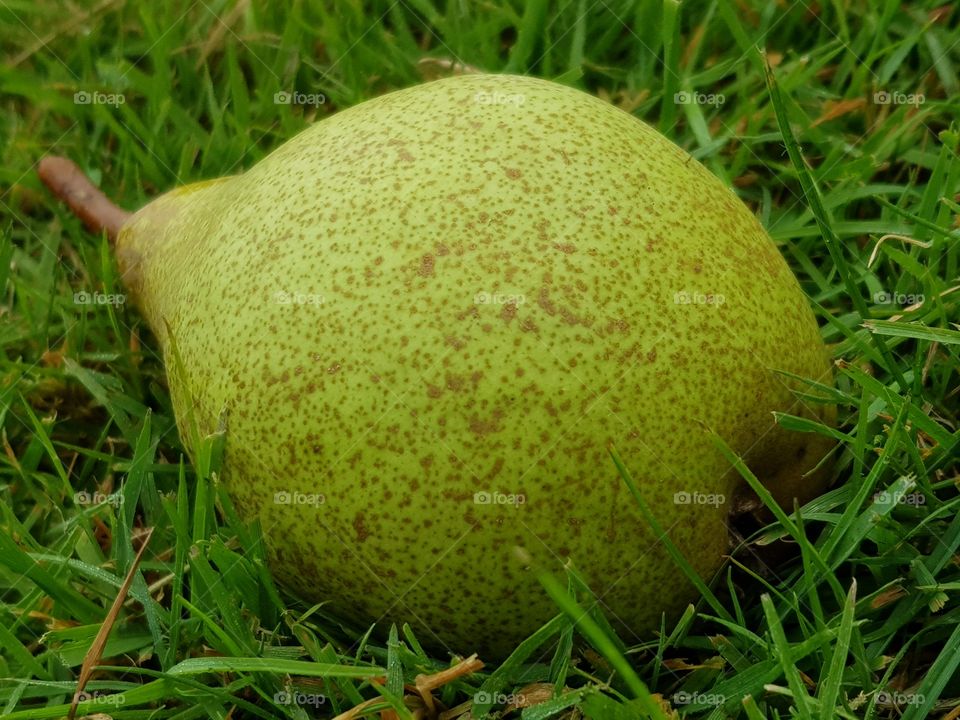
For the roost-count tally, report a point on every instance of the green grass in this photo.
(844, 608)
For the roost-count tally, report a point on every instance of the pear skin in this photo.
(424, 320)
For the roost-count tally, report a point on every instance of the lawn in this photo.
(125, 572)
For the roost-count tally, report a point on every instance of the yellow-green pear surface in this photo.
(422, 323)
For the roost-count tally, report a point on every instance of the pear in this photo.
(424, 321)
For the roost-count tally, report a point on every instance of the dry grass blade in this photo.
(358, 710)
(426, 683)
(96, 650)
(436, 68)
(533, 694)
(895, 236)
(215, 40)
(67, 27)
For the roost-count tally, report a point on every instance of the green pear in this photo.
(424, 321)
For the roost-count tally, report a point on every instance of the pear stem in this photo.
(84, 199)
